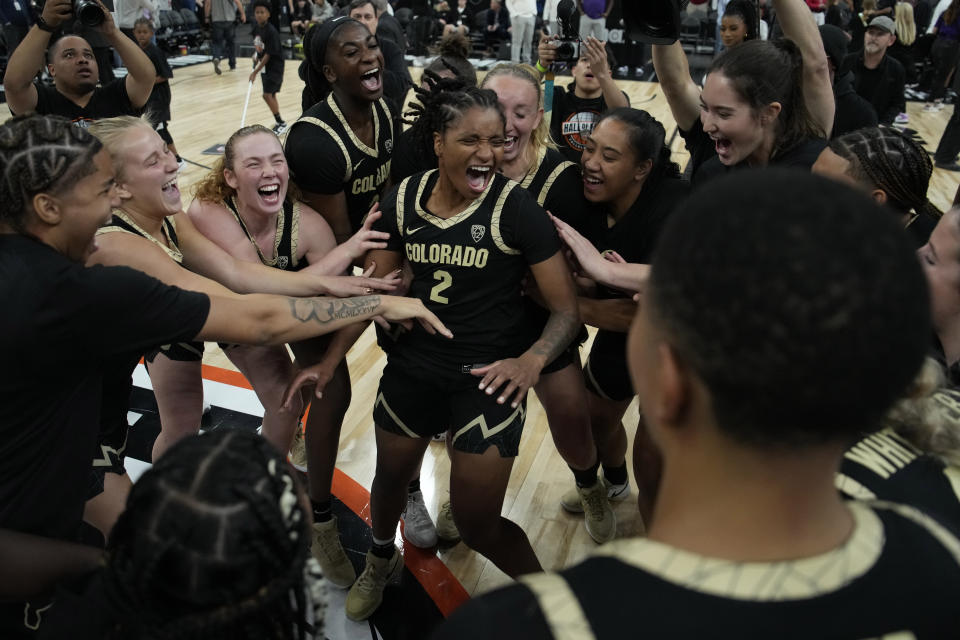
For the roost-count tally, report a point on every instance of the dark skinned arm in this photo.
(613, 315)
(31, 566)
(333, 208)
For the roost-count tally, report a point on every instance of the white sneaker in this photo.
(418, 528)
(570, 501)
(901, 118)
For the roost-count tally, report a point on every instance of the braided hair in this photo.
(441, 104)
(214, 543)
(40, 154)
(892, 161)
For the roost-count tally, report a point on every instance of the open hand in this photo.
(518, 374)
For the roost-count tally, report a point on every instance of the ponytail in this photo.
(647, 139)
(762, 72)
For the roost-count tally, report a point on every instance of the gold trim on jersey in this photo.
(401, 197)
(277, 236)
(551, 178)
(294, 232)
(761, 581)
(481, 421)
(495, 221)
(559, 605)
(173, 250)
(534, 170)
(850, 487)
(353, 136)
(333, 134)
(446, 223)
(393, 416)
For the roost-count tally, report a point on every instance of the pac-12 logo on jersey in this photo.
(477, 231)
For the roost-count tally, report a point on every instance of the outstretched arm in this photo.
(31, 566)
(682, 93)
(28, 58)
(800, 27)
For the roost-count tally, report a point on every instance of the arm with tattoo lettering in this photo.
(519, 374)
(261, 319)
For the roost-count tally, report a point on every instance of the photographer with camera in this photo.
(70, 61)
(577, 108)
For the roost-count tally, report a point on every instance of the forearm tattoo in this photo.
(326, 310)
(560, 329)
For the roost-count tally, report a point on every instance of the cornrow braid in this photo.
(891, 161)
(215, 544)
(40, 154)
(442, 103)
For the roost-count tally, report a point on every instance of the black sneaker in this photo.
(216, 66)
(280, 128)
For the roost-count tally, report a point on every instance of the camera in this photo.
(88, 12)
(568, 47)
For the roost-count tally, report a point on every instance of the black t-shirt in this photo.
(634, 237)
(881, 87)
(886, 466)
(801, 156)
(573, 119)
(158, 104)
(68, 320)
(327, 157)
(897, 576)
(853, 111)
(266, 40)
(467, 269)
(107, 101)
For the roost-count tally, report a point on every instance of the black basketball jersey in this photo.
(117, 384)
(326, 156)
(286, 238)
(897, 576)
(123, 223)
(634, 237)
(885, 466)
(467, 269)
(557, 186)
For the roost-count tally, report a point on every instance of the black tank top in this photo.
(285, 240)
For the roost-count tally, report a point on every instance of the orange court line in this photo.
(432, 574)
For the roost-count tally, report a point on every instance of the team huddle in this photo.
(774, 325)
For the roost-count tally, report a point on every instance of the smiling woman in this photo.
(149, 232)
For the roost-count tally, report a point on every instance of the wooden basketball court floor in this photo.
(206, 110)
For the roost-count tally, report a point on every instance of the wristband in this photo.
(540, 67)
(43, 26)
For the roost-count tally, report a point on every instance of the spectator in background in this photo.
(17, 20)
(739, 23)
(902, 49)
(498, 25)
(269, 60)
(129, 11)
(550, 21)
(458, 19)
(523, 18)
(71, 63)
(944, 55)
(593, 18)
(321, 11)
(878, 78)
(838, 13)
(396, 75)
(300, 18)
(157, 108)
(578, 107)
(853, 112)
(389, 28)
(221, 14)
(858, 24)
